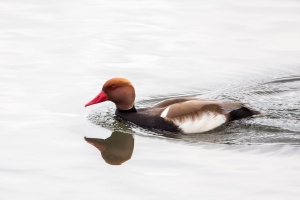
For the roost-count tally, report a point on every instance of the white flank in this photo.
(205, 122)
(165, 112)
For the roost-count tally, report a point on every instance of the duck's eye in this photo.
(112, 87)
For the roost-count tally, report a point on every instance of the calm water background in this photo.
(55, 55)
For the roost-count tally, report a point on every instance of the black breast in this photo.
(149, 121)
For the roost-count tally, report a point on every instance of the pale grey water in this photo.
(55, 56)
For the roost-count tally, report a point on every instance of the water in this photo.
(55, 56)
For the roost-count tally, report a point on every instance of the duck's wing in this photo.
(193, 106)
(174, 101)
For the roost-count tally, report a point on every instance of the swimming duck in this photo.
(184, 115)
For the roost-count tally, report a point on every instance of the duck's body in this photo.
(186, 115)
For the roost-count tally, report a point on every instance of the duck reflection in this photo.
(116, 149)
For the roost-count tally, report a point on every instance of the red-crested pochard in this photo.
(185, 115)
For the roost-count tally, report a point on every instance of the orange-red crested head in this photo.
(118, 90)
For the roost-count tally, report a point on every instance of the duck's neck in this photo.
(124, 99)
(127, 111)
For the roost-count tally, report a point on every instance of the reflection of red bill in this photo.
(98, 143)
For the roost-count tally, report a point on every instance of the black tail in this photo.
(242, 113)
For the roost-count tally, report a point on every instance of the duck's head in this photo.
(118, 90)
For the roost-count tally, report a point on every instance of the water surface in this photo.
(55, 56)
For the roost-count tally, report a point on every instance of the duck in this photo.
(187, 115)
